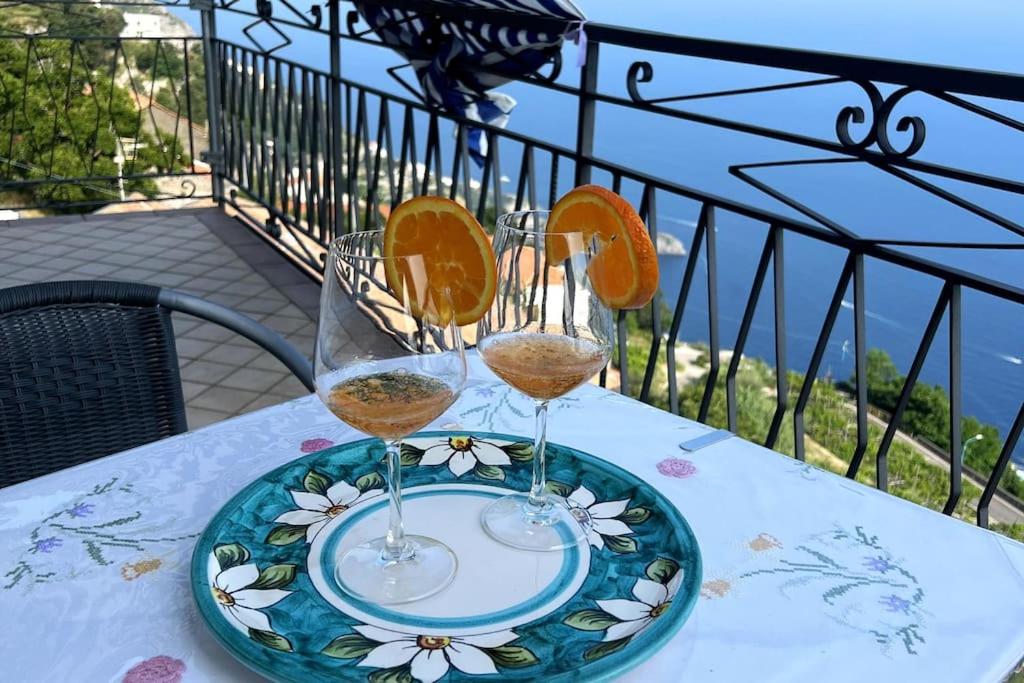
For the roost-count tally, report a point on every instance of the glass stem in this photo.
(538, 500)
(395, 546)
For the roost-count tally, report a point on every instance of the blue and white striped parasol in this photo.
(447, 54)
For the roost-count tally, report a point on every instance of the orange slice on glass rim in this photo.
(624, 271)
(456, 254)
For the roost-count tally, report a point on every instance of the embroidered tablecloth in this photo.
(807, 576)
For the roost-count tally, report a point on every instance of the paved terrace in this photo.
(202, 252)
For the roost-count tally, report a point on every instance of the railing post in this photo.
(215, 151)
(587, 113)
(335, 121)
(956, 452)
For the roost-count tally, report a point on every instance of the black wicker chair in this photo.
(90, 368)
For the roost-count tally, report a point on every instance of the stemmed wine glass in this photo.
(546, 334)
(389, 360)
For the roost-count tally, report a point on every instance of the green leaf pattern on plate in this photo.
(590, 620)
(620, 544)
(230, 554)
(370, 481)
(349, 646)
(270, 639)
(512, 656)
(520, 451)
(275, 576)
(410, 455)
(285, 534)
(314, 482)
(662, 569)
(397, 675)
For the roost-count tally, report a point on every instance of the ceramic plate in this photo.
(263, 579)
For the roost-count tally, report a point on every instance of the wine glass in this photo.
(546, 334)
(389, 359)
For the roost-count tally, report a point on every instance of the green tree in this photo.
(881, 371)
(166, 98)
(196, 87)
(927, 414)
(157, 60)
(63, 120)
(80, 21)
(83, 20)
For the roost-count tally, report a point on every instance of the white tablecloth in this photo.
(807, 576)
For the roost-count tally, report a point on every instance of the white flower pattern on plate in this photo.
(430, 657)
(238, 603)
(462, 453)
(317, 510)
(652, 600)
(597, 518)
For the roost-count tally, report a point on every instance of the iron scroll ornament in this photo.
(878, 131)
(639, 72)
(882, 109)
(188, 189)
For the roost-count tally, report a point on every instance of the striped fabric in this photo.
(446, 54)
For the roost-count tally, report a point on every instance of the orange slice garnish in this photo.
(624, 272)
(457, 257)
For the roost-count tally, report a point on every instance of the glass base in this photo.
(513, 521)
(427, 568)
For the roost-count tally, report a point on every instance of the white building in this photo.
(137, 25)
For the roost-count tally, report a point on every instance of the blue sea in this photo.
(983, 34)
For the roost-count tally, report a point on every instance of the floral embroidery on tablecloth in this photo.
(132, 571)
(46, 545)
(716, 588)
(498, 401)
(485, 391)
(806, 470)
(159, 669)
(314, 445)
(763, 542)
(859, 582)
(82, 509)
(96, 529)
(677, 467)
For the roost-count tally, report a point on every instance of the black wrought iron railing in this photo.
(88, 118)
(308, 140)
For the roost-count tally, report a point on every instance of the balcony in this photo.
(248, 159)
(839, 239)
(198, 251)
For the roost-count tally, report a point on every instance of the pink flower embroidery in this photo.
(677, 467)
(314, 445)
(160, 669)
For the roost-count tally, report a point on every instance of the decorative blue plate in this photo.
(263, 579)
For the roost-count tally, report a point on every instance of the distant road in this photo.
(999, 510)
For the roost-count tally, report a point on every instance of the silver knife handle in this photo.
(703, 440)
